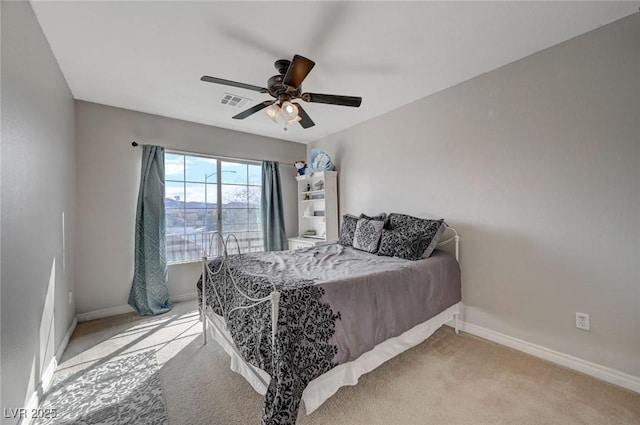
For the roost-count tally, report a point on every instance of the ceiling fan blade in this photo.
(260, 106)
(298, 71)
(233, 84)
(332, 99)
(305, 120)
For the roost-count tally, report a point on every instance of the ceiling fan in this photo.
(285, 88)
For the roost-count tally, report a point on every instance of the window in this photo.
(207, 194)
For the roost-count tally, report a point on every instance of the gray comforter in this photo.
(336, 304)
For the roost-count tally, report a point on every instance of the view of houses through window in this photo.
(206, 194)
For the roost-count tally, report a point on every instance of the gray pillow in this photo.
(401, 243)
(430, 230)
(367, 235)
(347, 230)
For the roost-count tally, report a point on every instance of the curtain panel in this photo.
(273, 231)
(149, 290)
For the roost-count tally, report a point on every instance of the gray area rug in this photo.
(122, 391)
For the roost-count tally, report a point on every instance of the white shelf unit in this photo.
(317, 209)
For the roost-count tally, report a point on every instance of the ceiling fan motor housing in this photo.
(281, 91)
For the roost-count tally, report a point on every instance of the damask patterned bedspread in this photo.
(336, 303)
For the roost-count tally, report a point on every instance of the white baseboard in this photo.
(47, 376)
(105, 312)
(66, 339)
(34, 402)
(123, 309)
(592, 369)
(184, 297)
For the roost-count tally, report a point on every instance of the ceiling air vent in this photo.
(234, 100)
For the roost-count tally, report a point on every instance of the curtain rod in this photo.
(136, 144)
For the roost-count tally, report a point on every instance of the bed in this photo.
(299, 325)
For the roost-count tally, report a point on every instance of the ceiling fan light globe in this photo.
(273, 112)
(289, 111)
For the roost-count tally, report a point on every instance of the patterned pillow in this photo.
(368, 234)
(347, 230)
(402, 243)
(380, 217)
(430, 230)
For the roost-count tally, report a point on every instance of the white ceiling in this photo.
(149, 56)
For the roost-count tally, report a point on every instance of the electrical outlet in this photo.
(582, 321)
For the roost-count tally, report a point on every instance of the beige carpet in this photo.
(448, 379)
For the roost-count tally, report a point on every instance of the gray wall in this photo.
(108, 179)
(537, 165)
(38, 194)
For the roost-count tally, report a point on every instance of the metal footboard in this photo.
(224, 269)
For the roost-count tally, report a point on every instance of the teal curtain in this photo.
(149, 291)
(273, 232)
